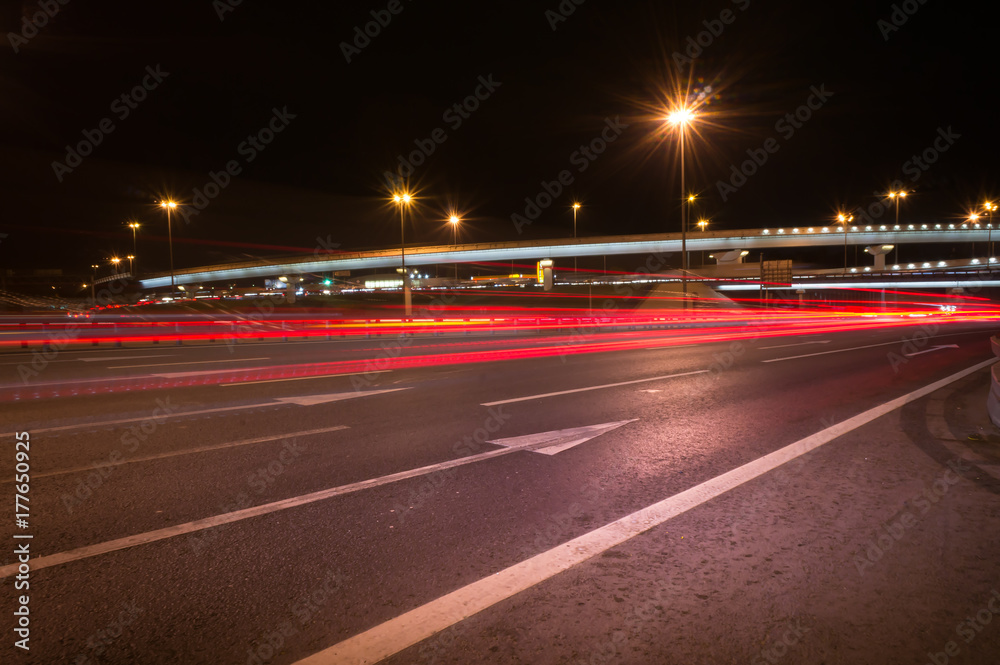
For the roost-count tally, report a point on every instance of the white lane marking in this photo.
(933, 348)
(785, 346)
(823, 353)
(191, 362)
(899, 341)
(246, 513)
(404, 631)
(84, 360)
(306, 400)
(311, 400)
(99, 360)
(188, 451)
(550, 443)
(581, 390)
(668, 346)
(301, 378)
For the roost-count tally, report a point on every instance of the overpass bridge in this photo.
(668, 243)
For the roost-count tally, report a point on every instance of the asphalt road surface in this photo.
(675, 500)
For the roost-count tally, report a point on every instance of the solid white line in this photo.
(393, 636)
(581, 390)
(305, 378)
(209, 522)
(194, 362)
(188, 451)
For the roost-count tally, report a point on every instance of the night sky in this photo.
(550, 81)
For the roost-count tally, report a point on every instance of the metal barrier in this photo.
(993, 401)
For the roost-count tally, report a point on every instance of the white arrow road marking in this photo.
(311, 400)
(420, 623)
(305, 400)
(305, 378)
(550, 443)
(785, 346)
(218, 520)
(933, 348)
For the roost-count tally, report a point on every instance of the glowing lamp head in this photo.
(168, 204)
(576, 206)
(453, 219)
(680, 117)
(973, 217)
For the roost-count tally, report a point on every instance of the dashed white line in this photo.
(581, 390)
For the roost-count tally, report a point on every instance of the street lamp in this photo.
(897, 196)
(702, 224)
(989, 207)
(135, 227)
(974, 218)
(576, 206)
(169, 206)
(680, 118)
(115, 260)
(454, 220)
(845, 220)
(93, 279)
(403, 200)
(130, 257)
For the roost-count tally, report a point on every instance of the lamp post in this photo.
(454, 220)
(403, 200)
(115, 261)
(702, 224)
(130, 257)
(169, 206)
(974, 218)
(680, 118)
(135, 227)
(989, 207)
(576, 206)
(93, 279)
(844, 221)
(896, 197)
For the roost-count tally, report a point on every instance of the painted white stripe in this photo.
(190, 362)
(932, 349)
(99, 360)
(393, 636)
(785, 346)
(84, 360)
(188, 451)
(209, 522)
(582, 390)
(302, 378)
